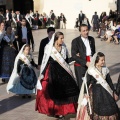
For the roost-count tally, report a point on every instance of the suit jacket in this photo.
(36, 15)
(79, 47)
(95, 19)
(20, 17)
(1, 18)
(81, 18)
(9, 15)
(29, 35)
(43, 43)
(53, 16)
(64, 19)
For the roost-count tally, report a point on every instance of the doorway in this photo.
(23, 5)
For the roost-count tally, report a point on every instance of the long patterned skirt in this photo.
(99, 117)
(7, 58)
(46, 105)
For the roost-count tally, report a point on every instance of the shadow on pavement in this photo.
(114, 69)
(13, 102)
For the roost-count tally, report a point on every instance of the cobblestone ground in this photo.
(13, 107)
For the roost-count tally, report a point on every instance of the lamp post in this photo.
(117, 6)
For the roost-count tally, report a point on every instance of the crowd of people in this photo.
(106, 26)
(93, 96)
(36, 20)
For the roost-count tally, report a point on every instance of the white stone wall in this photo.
(71, 8)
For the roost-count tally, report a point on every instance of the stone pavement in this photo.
(13, 107)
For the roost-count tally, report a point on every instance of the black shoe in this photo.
(23, 96)
(3, 80)
(29, 96)
(61, 117)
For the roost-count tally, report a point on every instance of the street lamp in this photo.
(118, 8)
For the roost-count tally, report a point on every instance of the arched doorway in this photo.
(23, 5)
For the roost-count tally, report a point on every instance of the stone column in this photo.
(9, 4)
(38, 5)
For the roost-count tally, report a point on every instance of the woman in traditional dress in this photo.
(7, 54)
(102, 104)
(57, 91)
(2, 31)
(23, 79)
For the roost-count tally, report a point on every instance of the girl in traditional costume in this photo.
(23, 79)
(57, 91)
(101, 101)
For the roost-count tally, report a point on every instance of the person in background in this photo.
(13, 23)
(8, 17)
(18, 18)
(81, 17)
(24, 34)
(52, 18)
(95, 21)
(36, 19)
(2, 31)
(76, 24)
(43, 43)
(1, 17)
(32, 18)
(8, 54)
(45, 19)
(62, 21)
(86, 21)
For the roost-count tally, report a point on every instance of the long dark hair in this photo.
(57, 34)
(99, 54)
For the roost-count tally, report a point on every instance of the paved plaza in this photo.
(13, 107)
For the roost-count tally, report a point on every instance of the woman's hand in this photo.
(90, 86)
(86, 96)
(78, 54)
(115, 96)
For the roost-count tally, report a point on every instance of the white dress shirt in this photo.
(24, 33)
(87, 45)
(7, 16)
(18, 17)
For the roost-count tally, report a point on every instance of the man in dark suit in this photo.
(8, 19)
(1, 17)
(24, 34)
(18, 18)
(83, 47)
(81, 17)
(36, 19)
(95, 21)
(50, 32)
